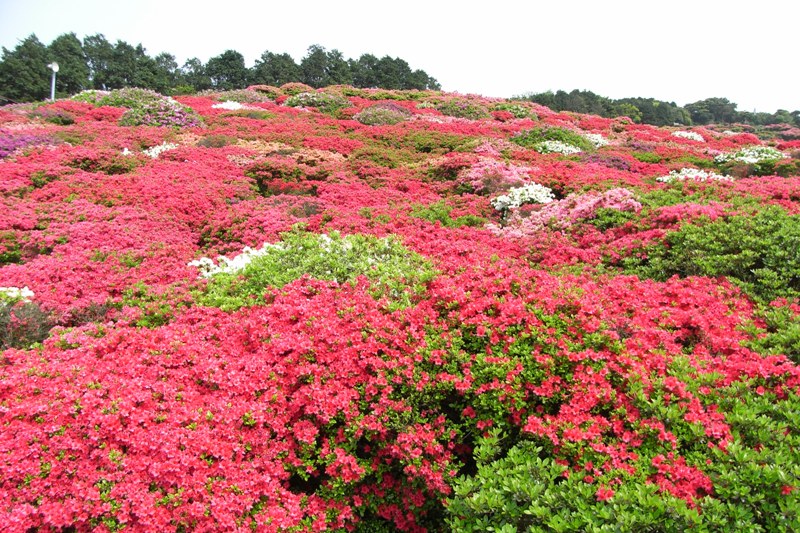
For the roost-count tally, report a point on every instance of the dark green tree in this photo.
(275, 69)
(364, 71)
(167, 73)
(227, 71)
(99, 55)
(24, 75)
(338, 70)
(713, 110)
(73, 72)
(193, 73)
(314, 66)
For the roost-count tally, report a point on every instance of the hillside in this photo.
(288, 309)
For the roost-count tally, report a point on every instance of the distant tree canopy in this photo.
(96, 63)
(657, 112)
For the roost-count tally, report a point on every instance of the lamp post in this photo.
(53, 66)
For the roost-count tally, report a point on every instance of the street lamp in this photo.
(53, 66)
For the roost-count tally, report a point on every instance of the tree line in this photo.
(97, 63)
(660, 113)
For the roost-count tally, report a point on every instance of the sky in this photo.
(680, 51)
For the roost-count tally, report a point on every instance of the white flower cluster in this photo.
(548, 147)
(596, 139)
(228, 266)
(229, 105)
(527, 194)
(692, 174)
(155, 151)
(752, 154)
(694, 136)
(15, 294)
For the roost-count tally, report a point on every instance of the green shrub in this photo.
(534, 137)
(518, 110)
(394, 271)
(760, 254)
(647, 157)
(325, 102)
(462, 109)
(216, 141)
(441, 212)
(383, 114)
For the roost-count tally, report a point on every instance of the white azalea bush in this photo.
(229, 105)
(556, 147)
(155, 151)
(596, 139)
(752, 155)
(15, 294)
(531, 193)
(691, 135)
(693, 174)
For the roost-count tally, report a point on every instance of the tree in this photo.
(24, 75)
(167, 73)
(275, 69)
(73, 73)
(99, 55)
(716, 110)
(337, 70)
(364, 70)
(227, 71)
(314, 65)
(193, 73)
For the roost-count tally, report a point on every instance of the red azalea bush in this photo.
(622, 357)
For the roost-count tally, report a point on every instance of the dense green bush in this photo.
(760, 254)
(383, 114)
(325, 102)
(461, 109)
(534, 137)
(442, 213)
(394, 271)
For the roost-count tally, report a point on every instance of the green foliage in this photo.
(24, 75)
(23, 324)
(782, 334)
(228, 71)
(155, 308)
(394, 271)
(605, 218)
(756, 477)
(760, 254)
(518, 110)
(525, 490)
(441, 212)
(216, 141)
(531, 138)
(647, 157)
(325, 102)
(383, 114)
(145, 107)
(460, 108)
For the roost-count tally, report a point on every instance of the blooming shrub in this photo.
(527, 194)
(553, 139)
(692, 174)
(382, 114)
(325, 102)
(691, 135)
(10, 142)
(145, 107)
(397, 273)
(401, 356)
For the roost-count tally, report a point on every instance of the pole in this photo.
(53, 87)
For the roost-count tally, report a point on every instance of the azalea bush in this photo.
(292, 320)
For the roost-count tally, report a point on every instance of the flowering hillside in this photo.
(283, 309)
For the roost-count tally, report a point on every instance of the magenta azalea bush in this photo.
(331, 322)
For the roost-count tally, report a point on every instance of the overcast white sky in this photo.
(677, 50)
